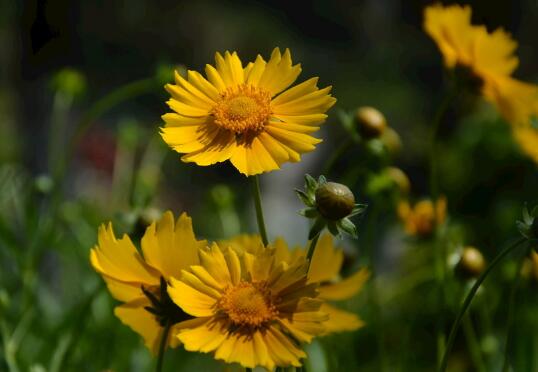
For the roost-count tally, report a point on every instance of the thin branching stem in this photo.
(469, 299)
(511, 313)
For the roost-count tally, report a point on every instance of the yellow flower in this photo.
(423, 217)
(488, 56)
(136, 279)
(324, 269)
(250, 309)
(245, 114)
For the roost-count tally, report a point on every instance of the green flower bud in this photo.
(472, 262)
(334, 200)
(400, 179)
(370, 121)
(392, 141)
(70, 82)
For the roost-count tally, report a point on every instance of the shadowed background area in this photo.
(75, 152)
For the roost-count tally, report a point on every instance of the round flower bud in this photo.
(399, 178)
(370, 121)
(334, 200)
(472, 262)
(392, 141)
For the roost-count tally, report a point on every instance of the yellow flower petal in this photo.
(220, 149)
(340, 320)
(345, 288)
(527, 138)
(142, 322)
(257, 70)
(186, 110)
(171, 247)
(451, 29)
(123, 291)
(204, 336)
(493, 52)
(120, 260)
(203, 85)
(326, 261)
(279, 72)
(229, 68)
(190, 299)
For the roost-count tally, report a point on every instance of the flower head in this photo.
(330, 205)
(471, 263)
(245, 114)
(140, 280)
(487, 58)
(324, 269)
(252, 309)
(422, 219)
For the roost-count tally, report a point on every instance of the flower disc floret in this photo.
(248, 304)
(242, 109)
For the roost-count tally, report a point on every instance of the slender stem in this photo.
(469, 298)
(312, 247)
(259, 208)
(162, 346)
(436, 123)
(439, 253)
(511, 313)
(473, 344)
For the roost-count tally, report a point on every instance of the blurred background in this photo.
(81, 95)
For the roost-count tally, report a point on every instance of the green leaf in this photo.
(309, 212)
(310, 183)
(316, 228)
(333, 228)
(348, 227)
(358, 209)
(523, 228)
(322, 180)
(305, 198)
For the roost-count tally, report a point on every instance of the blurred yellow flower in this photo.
(249, 308)
(422, 219)
(137, 280)
(324, 269)
(489, 57)
(245, 114)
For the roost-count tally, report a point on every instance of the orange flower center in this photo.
(242, 109)
(248, 304)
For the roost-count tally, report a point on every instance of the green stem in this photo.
(259, 208)
(436, 123)
(312, 247)
(439, 254)
(162, 346)
(473, 344)
(511, 313)
(469, 298)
